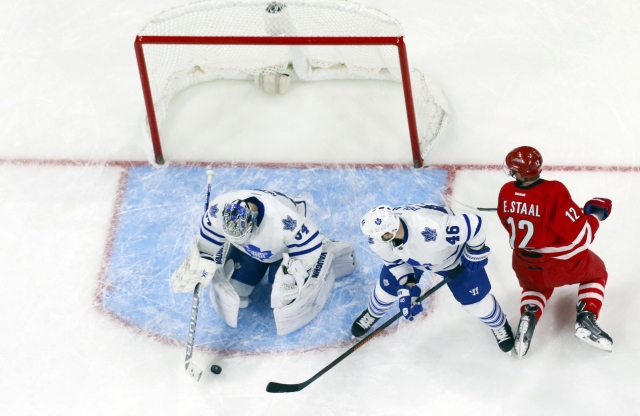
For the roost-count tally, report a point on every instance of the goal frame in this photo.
(279, 40)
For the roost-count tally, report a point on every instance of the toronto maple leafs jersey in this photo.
(282, 227)
(434, 239)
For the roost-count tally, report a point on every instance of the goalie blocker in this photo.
(336, 260)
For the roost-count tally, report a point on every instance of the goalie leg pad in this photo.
(224, 298)
(344, 257)
(243, 290)
(311, 299)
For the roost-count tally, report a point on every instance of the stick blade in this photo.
(193, 370)
(274, 387)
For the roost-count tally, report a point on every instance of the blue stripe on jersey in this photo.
(306, 242)
(406, 232)
(456, 252)
(218, 243)
(300, 253)
(479, 225)
(468, 227)
(479, 246)
(298, 203)
(454, 262)
(459, 255)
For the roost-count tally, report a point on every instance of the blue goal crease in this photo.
(160, 214)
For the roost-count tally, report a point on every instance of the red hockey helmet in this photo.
(524, 160)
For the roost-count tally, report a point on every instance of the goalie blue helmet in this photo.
(238, 221)
(380, 221)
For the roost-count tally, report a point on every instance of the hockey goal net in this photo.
(275, 44)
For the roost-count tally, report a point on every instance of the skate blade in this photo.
(583, 334)
(522, 349)
(520, 352)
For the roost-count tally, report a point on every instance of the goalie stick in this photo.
(190, 367)
(274, 387)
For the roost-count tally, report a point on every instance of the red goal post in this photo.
(306, 40)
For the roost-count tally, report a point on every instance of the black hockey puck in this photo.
(216, 369)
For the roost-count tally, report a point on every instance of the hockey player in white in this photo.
(417, 238)
(249, 233)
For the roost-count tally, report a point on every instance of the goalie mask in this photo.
(524, 160)
(378, 222)
(238, 221)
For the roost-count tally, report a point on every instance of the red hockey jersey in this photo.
(542, 218)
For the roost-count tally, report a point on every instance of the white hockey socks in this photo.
(488, 310)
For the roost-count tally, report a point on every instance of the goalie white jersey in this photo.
(434, 239)
(282, 227)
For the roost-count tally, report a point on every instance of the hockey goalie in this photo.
(247, 234)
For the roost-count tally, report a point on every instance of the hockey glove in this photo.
(600, 207)
(475, 259)
(407, 296)
(288, 282)
(194, 269)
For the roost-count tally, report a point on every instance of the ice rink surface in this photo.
(557, 75)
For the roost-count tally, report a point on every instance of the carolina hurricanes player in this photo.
(550, 237)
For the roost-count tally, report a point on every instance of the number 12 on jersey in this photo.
(522, 225)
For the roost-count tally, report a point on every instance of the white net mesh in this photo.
(173, 67)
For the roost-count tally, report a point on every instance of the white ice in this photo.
(558, 75)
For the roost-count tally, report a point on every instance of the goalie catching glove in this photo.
(194, 269)
(288, 282)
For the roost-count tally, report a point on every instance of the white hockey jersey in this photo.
(282, 227)
(434, 239)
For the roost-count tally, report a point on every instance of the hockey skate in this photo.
(588, 330)
(504, 336)
(363, 323)
(525, 330)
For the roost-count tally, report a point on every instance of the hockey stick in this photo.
(475, 208)
(189, 366)
(274, 387)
